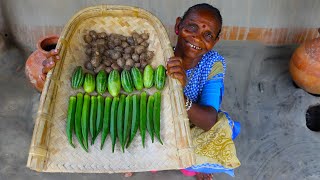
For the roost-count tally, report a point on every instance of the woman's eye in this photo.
(191, 27)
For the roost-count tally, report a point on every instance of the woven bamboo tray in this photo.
(50, 151)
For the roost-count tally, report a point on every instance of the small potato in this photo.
(111, 45)
(93, 34)
(87, 38)
(101, 49)
(126, 56)
(124, 44)
(96, 52)
(88, 65)
(144, 64)
(102, 35)
(130, 62)
(100, 41)
(100, 67)
(107, 62)
(103, 58)
(143, 56)
(109, 52)
(150, 55)
(95, 61)
(139, 49)
(112, 37)
(138, 40)
(126, 67)
(108, 69)
(128, 50)
(145, 44)
(130, 41)
(117, 42)
(135, 57)
(122, 37)
(121, 62)
(118, 48)
(145, 36)
(115, 55)
(137, 65)
(88, 51)
(115, 66)
(135, 35)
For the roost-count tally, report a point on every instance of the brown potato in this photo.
(139, 40)
(107, 62)
(118, 48)
(101, 49)
(126, 56)
(130, 40)
(102, 35)
(112, 37)
(145, 36)
(139, 49)
(111, 45)
(87, 38)
(115, 55)
(100, 41)
(137, 65)
(95, 61)
(145, 44)
(128, 50)
(117, 42)
(130, 62)
(143, 56)
(115, 66)
(135, 57)
(121, 62)
(144, 64)
(135, 35)
(100, 67)
(88, 65)
(109, 52)
(93, 34)
(88, 51)
(124, 44)
(126, 67)
(122, 37)
(150, 55)
(108, 69)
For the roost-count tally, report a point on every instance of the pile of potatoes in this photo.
(115, 51)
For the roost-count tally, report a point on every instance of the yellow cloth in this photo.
(215, 146)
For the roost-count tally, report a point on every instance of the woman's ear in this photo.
(176, 27)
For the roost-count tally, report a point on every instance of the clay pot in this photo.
(34, 65)
(305, 66)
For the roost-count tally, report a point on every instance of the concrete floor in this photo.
(274, 142)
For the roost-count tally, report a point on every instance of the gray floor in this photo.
(274, 142)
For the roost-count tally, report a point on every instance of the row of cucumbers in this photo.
(120, 116)
(128, 80)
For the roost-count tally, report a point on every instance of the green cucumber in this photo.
(77, 78)
(137, 78)
(101, 82)
(126, 81)
(148, 76)
(114, 85)
(160, 77)
(89, 83)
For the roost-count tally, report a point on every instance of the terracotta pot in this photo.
(305, 66)
(34, 65)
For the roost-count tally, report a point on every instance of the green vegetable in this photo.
(89, 83)
(148, 76)
(93, 117)
(100, 113)
(85, 119)
(101, 80)
(120, 120)
(156, 115)
(106, 120)
(71, 118)
(143, 116)
(77, 78)
(126, 81)
(78, 120)
(113, 121)
(150, 116)
(160, 77)
(127, 119)
(135, 117)
(114, 85)
(137, 78)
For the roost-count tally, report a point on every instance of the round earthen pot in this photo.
(34, 65)
(305, 66)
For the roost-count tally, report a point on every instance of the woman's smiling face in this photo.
(197, 33)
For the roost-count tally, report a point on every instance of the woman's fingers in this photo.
(48, 66)
(53, 52)
(174, 69)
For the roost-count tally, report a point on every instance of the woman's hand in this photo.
(176, 70)
(50, 62)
